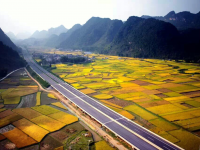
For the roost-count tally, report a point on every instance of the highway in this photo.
(132, 133)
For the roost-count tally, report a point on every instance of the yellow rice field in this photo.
(48, 123)
(31, 129)
(64, 117)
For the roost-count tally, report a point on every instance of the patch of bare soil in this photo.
(187, 105)
(10, 106)
(192, 94)
(164, 90)
(5, 113)
(119, 102)
(168, 80)
(7, 145)
(32, 147)
(49, 143)
(139, 82)
(161, 95)
(59, 135)
(28, 101)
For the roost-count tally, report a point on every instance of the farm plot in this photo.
(48, 123)
(140, 112)
(9, 119)
(64, 117)
(45, 110)
(51, 96)
(186, 139)
(103, 145)
(38, 97)
(164, 125)
(58, 104)
(162, 109)
(31, 129)
(27, 113)
(19, 138)
(103, 96)
(13, 100)
(88, 91)
(44, 99)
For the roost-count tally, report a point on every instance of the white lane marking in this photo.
(150, 138)
(151, 135)
(139, 136)
(166, 147)
(119, 118)
(108, 122)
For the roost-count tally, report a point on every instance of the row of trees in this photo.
(75, 60)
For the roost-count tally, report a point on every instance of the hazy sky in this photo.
(30, 15)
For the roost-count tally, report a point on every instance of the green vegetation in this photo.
(75, 60)
(39, 79)
(9, 60)
(137, 37)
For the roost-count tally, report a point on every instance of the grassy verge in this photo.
(39, 79)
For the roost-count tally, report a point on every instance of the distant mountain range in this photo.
(46, 34)
(9, 57)
(48, 39)
(137, 37)
(182, 20)
(96, 32)
(19, 36)
(6, 41)
(168, 37)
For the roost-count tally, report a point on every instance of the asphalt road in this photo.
(131, 132)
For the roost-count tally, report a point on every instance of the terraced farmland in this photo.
(159, 94)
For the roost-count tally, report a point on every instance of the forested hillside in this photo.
(9, 60)
(181, 20)
(94, 34)
(6, 40)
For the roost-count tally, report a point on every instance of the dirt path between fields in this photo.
(90, 124)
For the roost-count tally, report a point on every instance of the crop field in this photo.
(157, 91)
(51, 96)
(64, 117)
(27, 127)
(31, 129)
(48, 123)
(19, 138)
(102, 145)
(38, 97)
(45, 110)
(58, 104)
(27, 113)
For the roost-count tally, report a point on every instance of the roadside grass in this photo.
(40, 80)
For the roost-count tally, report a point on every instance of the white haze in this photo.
(30, 15)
